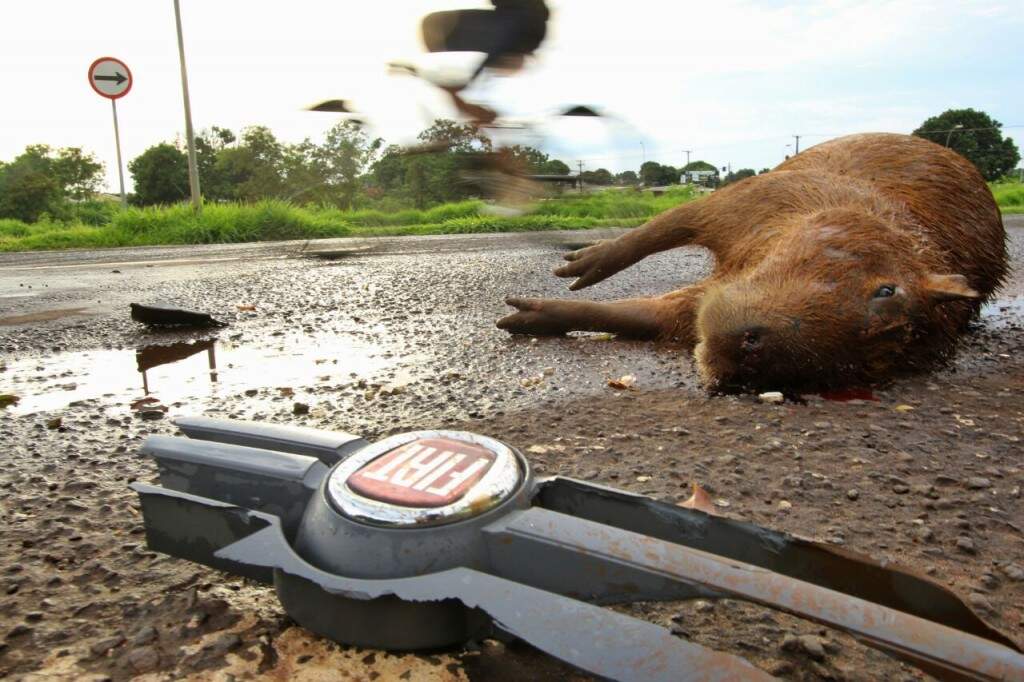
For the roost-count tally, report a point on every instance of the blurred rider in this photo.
(508, 34)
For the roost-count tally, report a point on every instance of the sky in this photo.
(730, 80)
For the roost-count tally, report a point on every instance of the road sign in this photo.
(110, 78)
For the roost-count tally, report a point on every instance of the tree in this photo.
(529, 159)
(627, 178)
(26, 192)
(209, 145)
(341, 161)
(554, 167)
(40, 180)
(738, 175)
(388, 171)
(976, 136)
(460, 138)
(650, 173)
(601, 176)
(160, 174)
(78, 173)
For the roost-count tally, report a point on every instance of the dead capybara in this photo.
(846, 264)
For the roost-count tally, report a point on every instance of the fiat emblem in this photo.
(424, 478)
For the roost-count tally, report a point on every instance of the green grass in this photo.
(1009, 196)
(94, 226)
(276, 220)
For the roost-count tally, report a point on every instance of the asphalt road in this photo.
(380, 336)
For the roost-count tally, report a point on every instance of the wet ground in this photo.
(379, 336)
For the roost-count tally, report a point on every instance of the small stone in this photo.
(18, 630)
(54, 424)
(925, 534)
(151, 414)
(143, 659)
(785, 505)
(989, 581)
(101, 647)
(679, 631)
(704, 606)
(300, 408)
(548, 371)
(979, 602)
(144, 636)
(853, 494)
(978, 483)
(966, 545)
(1014, 572)
(806, 644)
(901, 489)
(225, 643)
(772, 397)
(251, 392)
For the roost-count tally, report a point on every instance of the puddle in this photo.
(193, 373)
(42, 316)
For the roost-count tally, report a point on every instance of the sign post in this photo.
(111, 78)
(193, 171)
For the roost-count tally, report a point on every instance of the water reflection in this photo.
(182, 376)
(148, 357)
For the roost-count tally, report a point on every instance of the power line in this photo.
(668, 151)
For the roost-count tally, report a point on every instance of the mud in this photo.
(400, 336)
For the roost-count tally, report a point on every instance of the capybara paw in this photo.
(591, 264)
(531, 319)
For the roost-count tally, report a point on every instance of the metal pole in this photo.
(193, 172)
(687, 151)
(580, 163)
(796, 150)
(117, 143)
(950, 133)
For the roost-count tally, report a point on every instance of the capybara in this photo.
(846, 264)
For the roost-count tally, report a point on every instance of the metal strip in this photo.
(329, 447)
(194, 528)
(813, 562)
(605, 643)
(548, 537)
(272, 482)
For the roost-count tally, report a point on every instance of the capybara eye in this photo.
(885, 291)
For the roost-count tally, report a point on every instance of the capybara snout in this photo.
(849, 263)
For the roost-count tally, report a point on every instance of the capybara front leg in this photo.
(600, 261)
(638, 318)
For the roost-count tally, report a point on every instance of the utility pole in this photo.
(796, 150)
(193, 171)
(580, 176)
(958, 126)
(687, 152)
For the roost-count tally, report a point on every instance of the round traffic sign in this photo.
(110, 78)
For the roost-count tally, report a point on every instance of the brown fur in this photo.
(806, 256)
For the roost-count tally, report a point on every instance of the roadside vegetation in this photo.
(258, 188)
(1009, 195)
(272, 220)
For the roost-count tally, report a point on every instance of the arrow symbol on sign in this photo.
(118, 77)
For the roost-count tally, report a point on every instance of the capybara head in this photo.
(841, 301)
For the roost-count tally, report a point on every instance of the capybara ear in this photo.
(942, 288)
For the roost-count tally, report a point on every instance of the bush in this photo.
(101, 224)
